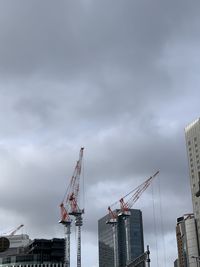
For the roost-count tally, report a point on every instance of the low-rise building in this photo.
(35, 253)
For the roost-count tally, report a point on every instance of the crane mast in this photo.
(125, 213)
(113, 222)
(66, 221)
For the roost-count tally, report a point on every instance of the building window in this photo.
(189, 143)
(195, 139)
(196, 145)
(192, 170)
(190, 149)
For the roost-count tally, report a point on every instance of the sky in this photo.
(117, 77)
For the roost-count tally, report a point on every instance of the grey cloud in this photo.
(71, 38)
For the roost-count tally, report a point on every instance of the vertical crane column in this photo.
(113, 221)
(79, 223)
(67, 244)
(127, 232)
(125, 214)
(115, 243)
(66, 221)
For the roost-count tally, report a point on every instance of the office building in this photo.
(176, 263)
(192, 135)
(106, 241)
(187, 243)
(16, 243)
(37, 253)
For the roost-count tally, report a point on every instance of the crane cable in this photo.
(162, 223)
(155, 226)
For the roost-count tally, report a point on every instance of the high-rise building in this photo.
(106, 240)
(192, 135)
(187, 244)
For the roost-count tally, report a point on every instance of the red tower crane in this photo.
(126, 204)
(70, 206)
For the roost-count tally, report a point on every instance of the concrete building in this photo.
(106, 242)
(36, 253)
(17, 242)
(187, 243)
(192, 135)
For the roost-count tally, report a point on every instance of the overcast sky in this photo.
(121, 79)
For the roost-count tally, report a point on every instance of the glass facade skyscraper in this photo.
(106, 242)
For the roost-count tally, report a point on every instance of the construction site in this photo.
(117, 245)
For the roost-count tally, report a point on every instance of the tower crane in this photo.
(13, 232)
(70, 206)
(126, 204)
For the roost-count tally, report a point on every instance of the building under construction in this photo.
(106, 242)
(24, 252)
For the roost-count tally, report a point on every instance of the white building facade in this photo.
(17, 241)
(192, 135)
(187, 243)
